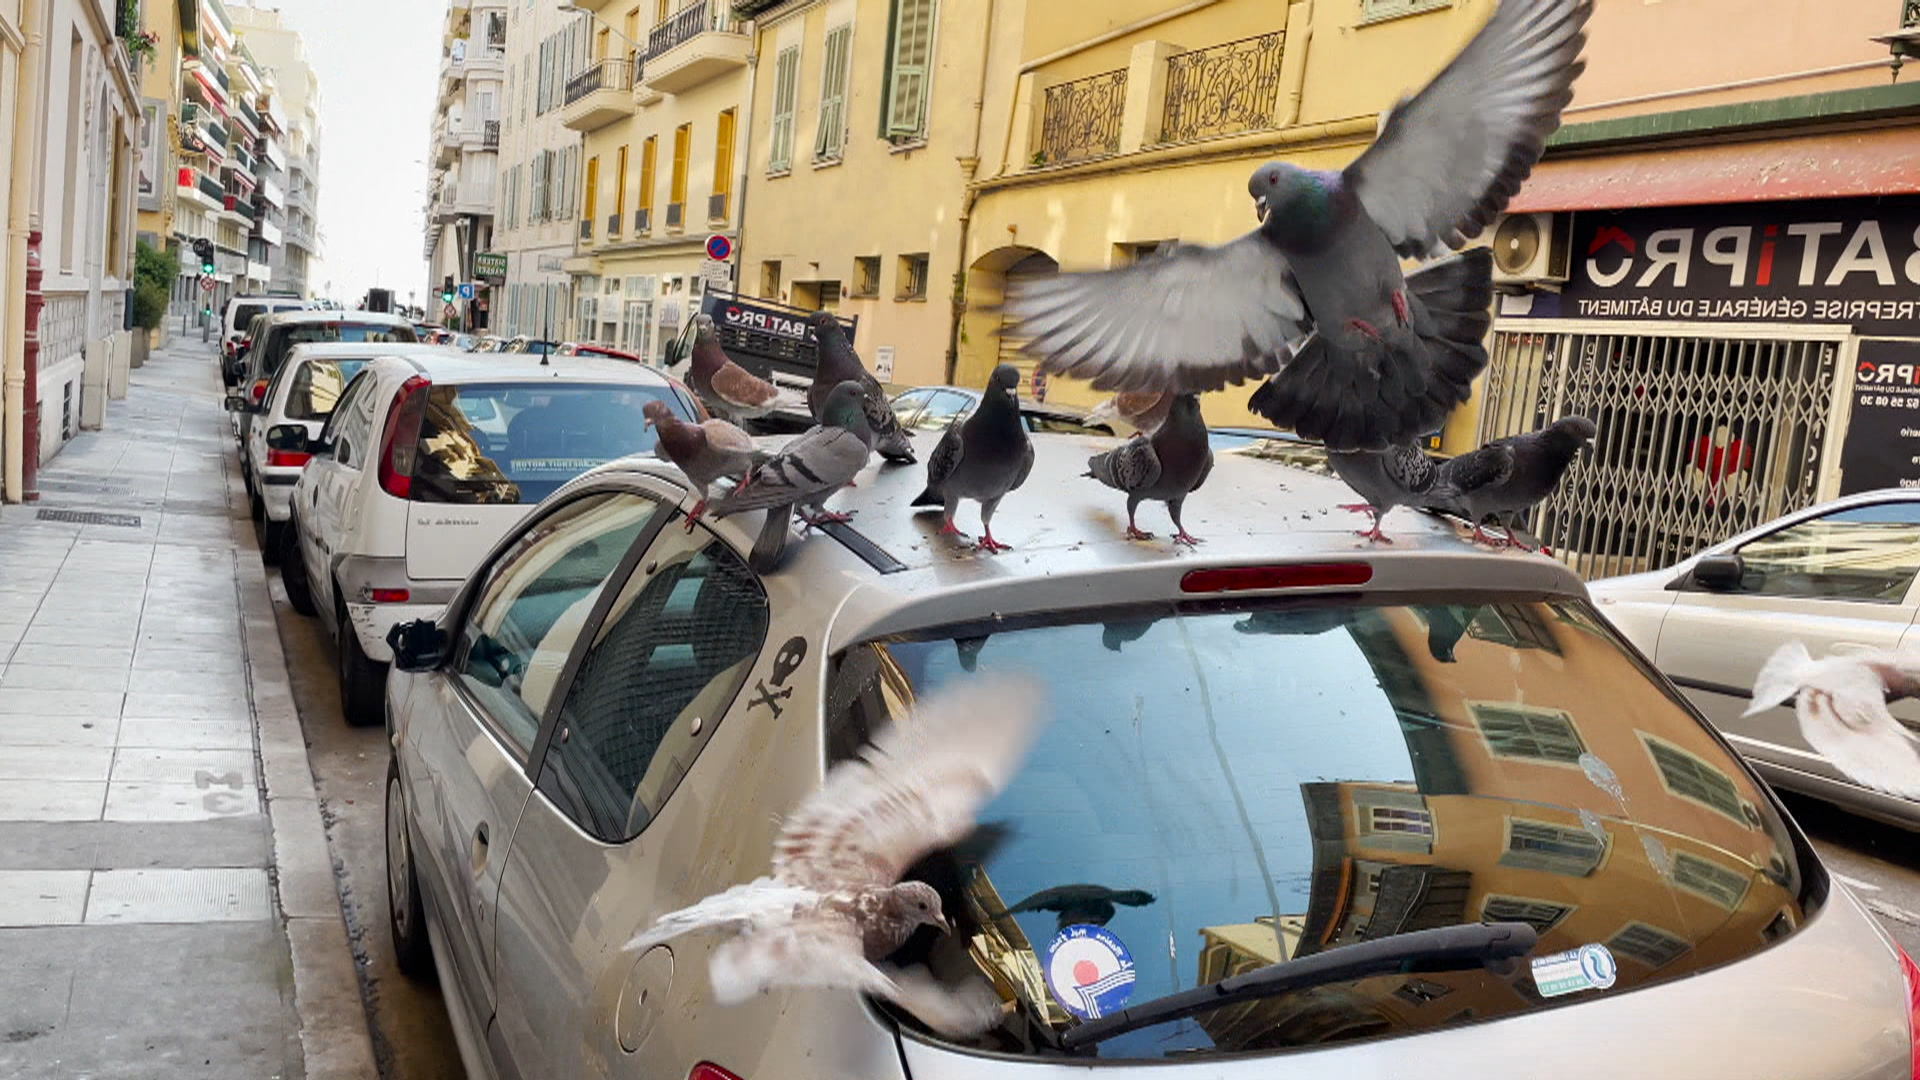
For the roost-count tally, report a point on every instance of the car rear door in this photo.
(1838, 582)
(332, 480)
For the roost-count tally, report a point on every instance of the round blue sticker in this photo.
(1089, 972)
(1596, 963)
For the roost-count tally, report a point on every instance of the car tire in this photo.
(293, 571)
(406, 914)
(272, 536)
(363, 681)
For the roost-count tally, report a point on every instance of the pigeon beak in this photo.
(1260, 208)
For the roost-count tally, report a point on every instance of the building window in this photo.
(677, 186)
(592, 197)
(866, 275)
(722, 167)
(1392, 819)
(1371, 10)
(619, 216)
(643, 214)
(1692, 778)
(786, 82)
(1555, 849)
(1512, 730)
(1649, 945)
(1542, 915)
(912, 278)
(1723, 885)
(903, 111)
(831, 133)
(770, 280)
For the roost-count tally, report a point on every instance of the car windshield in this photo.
(244, 313)
(283, 342)
(317, 386)
(1221, 789)
(518, 442)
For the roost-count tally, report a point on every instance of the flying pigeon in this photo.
(838, 363)
(981, 457)
(1405, 476)
(705, 451)
(1168, 465)
(1144, 411)
(806, 471)
(729, 389)
(1540, 458)
(1360, 356)
(834, 905)
(1841, 703)
(1082, 903)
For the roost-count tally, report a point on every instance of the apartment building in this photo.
(538, 174)
(286, 153)
(464, 153)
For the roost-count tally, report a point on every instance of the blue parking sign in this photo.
(466, 290)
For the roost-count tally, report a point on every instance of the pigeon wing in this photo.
(1449, 160)
(760, 902)
(1843, 715)
(742, 389)
(916, 790)
(727, 438)
(826, 954)
(1409, 467)
(1129, 468)
(1195, 320)
(819, 462)
(946, 457)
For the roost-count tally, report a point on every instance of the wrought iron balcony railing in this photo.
(608, 74)
(1081, 118)
(1222, 89)
(490, 134)
(685, 24)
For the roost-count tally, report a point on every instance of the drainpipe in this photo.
(22, 390)
(1300, 38)
(745, 128)
(969, 167)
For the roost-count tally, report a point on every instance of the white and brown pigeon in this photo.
(982, 457)
(1360, 355)
(705, 452)
(836, 362)
(1841, 703)
(834, 907)
(1166, 466)
(1142, 410)
(727, 388)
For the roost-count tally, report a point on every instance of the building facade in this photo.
(661, 94)
(286, 153)
(465, 152)
(538, 179)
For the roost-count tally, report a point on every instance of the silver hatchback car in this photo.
(1286, 754)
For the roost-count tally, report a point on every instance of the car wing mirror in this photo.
(1720, 573)
(237, 403)
(418, 645)
(291, 438)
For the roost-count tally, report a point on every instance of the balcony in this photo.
(195, 138)
(250, 119)
(300, 236)
(443, 203)
(598, 95)
(272, 192)
(1222, 89)
(486, 60)
(481, 137)
(696, 45)
(212, 190)
(490, 135)
(1081, 119)
(268, 232)
(199, 190)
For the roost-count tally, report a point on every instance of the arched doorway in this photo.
(988, 279)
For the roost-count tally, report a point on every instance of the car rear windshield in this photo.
(518, 442)
(346, 330)
(317, 386)
(1219, 790)
(244, 313)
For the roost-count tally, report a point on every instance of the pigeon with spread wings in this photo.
(1841, 703)
(834, 905)
(1360, 355)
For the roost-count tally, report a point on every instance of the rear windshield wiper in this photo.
(1448, 948)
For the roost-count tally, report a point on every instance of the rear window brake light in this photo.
(1221, 579)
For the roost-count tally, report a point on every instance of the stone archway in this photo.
(983, 344)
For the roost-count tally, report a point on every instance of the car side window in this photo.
(663, 669)
(351, 424)
(511, 647)
(1865, 553)
(909, 403)
(942, 409)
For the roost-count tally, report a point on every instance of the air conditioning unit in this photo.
(1532, 251)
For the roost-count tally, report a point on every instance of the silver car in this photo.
(1838, 576)
(1304, 808)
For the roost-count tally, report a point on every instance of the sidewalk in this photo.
(167, 904)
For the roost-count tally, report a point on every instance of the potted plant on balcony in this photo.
(140, 46)
(153, 274)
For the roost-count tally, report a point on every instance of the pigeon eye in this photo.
(1273, 178)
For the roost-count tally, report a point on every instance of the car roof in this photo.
(442, 363)
(314, 315)
(355, 350)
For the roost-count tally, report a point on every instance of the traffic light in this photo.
(446, 289)
(203, 247)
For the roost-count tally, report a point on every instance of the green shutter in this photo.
(832, 130)
(786, 78)
(907, 78)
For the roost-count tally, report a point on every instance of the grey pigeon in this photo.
(806, 472)
(1406, 476)
(1360, 356)
(1841, 704)
(834, 904)
(1168, 465)
(1082, 903)
(1540, 458)
(727, 388)
(838, 363)
(705, 452)
(981, 456)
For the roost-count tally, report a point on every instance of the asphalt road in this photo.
(1880, 863)
(411, 1038)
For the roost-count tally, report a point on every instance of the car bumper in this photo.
(276, 491)
(371, 622)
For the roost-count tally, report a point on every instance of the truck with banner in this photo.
(768, 338)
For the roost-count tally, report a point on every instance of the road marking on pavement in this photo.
(1897, 914)
(1854, 883)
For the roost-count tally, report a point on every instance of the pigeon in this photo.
(838, 363)
(1168, 465)
(1540, 458)
(1404, 476)
(806, 471)
(1360, 355)
(982, 456)
(705, 451)
(1144, 411)
(1082, 903)
(729, 389)
(834, 906)
(1841, 703)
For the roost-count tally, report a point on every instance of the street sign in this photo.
(883, 363)
(448, 314)
(207, 283)
(490, 264)
(466, 290)
(719, 247)
(551, 264)
(715, 274)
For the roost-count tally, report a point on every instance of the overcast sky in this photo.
(378, 62)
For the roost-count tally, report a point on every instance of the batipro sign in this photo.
(1845, 262)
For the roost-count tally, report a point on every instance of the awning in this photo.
(1885, 162)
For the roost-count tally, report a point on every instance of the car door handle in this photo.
(479, 857)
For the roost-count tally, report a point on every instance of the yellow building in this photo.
(659, 95)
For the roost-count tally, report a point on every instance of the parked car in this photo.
(301, 394)
(486, 343)
(521, 343)
(1284, 753)
(427, 459)
(932, 408)
(1838, 576)
(280, 332)
(238, 317)
(589, 348)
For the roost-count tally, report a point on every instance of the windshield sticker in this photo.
(1089, 972)
(1589, 967)
(568, 467)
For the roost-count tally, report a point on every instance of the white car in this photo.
(239, 316)
(428, 459)
(1838, 576)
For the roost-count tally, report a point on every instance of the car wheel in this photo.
(257, 506)
(272, 536)
(363, 682)
(406, 915)
(293, 571)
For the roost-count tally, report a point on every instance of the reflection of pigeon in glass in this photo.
(1445, 627)
(1117, 632)
(969, 650)
(1306, 622)
(1082, 903)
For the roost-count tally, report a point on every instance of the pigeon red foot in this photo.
(989, 545)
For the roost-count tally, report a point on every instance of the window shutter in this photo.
(786, 78)
(907, 83)
(832, 129)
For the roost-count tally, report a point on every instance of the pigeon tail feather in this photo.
(928, 498)
(1782, 676)
(771, 545)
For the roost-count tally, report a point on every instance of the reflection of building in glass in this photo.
(1003, 952)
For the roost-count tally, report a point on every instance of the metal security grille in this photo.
(1699, 438)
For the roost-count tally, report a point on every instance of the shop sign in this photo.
(1882, 445)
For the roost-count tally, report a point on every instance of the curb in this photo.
(334, 1036)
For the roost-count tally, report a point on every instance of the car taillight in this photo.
(388, 596)
(288, 459)
(259, 391)
(707, 1070)
(1294, 576)
(1912, 975)
(400, 445)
